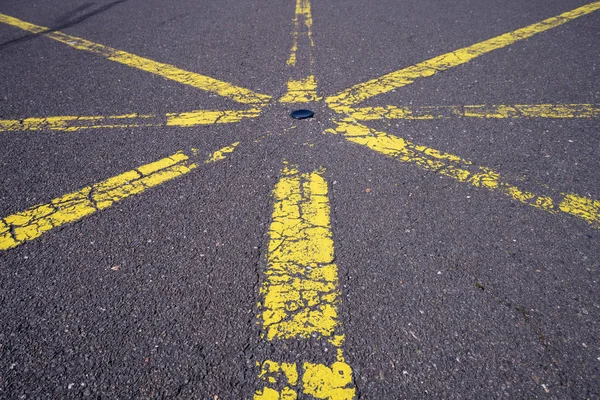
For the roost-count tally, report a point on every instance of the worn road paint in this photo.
(317, 380)
(30, 224)
(304, 89)
(464, 171)
(221, 154)
(300, 293)
(302, 25)
(477, 111)
(168, 71)
(76, 123)
(204, 117)
(301, 91)
(406, 76)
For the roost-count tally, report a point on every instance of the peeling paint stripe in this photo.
(76, 123)
(464, 171)
(406, 76)
(476, 111)
(301, 91)
(30, 224)
(168, 71)
(300, 293)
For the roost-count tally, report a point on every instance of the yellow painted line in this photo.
(76, 123)
(300, 293)
(204, 117)
(167, 71)
(477, 111)
(30, 224)
(465, 171)
(302, 25)
(406, 76)
(301, 91)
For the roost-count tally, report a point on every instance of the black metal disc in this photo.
(301, 114)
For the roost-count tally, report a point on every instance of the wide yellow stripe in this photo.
(75, 123)
(477, 111)
(168, 71)
(465, 171)
(406, 76)
(300, 292)
(30, 224)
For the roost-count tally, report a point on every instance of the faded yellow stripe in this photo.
(301, 91)
(303, 14)
(476, 111)
(300, 293)
(75, 123)
(204, 117)
(168, 71)
(30, 224)
(406, 76)
(464, 171)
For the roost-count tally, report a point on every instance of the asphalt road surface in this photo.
(168, 230)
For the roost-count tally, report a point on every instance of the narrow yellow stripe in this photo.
(464, 171)
(204, 117)
(75, 123)
(30, 224)
(406, 76)
(171, 72)
(300, 293)
(303, 14)
(476, 111)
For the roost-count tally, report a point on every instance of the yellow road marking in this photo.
(300, 294)
(477, 111)
(303, 12)
(168, 71)
(303, 90)
(406, 76)
(464, 171)
(30, 224)
(75, 123)
(221, 154)
(204, 117)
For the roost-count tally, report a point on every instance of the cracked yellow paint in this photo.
(222, 88)
(464, 171)
(300, 292)
(406, 76)
(301, 91)
(476, 111)
(30, 224)
(76, 123)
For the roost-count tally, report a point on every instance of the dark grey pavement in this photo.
(448, 291)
